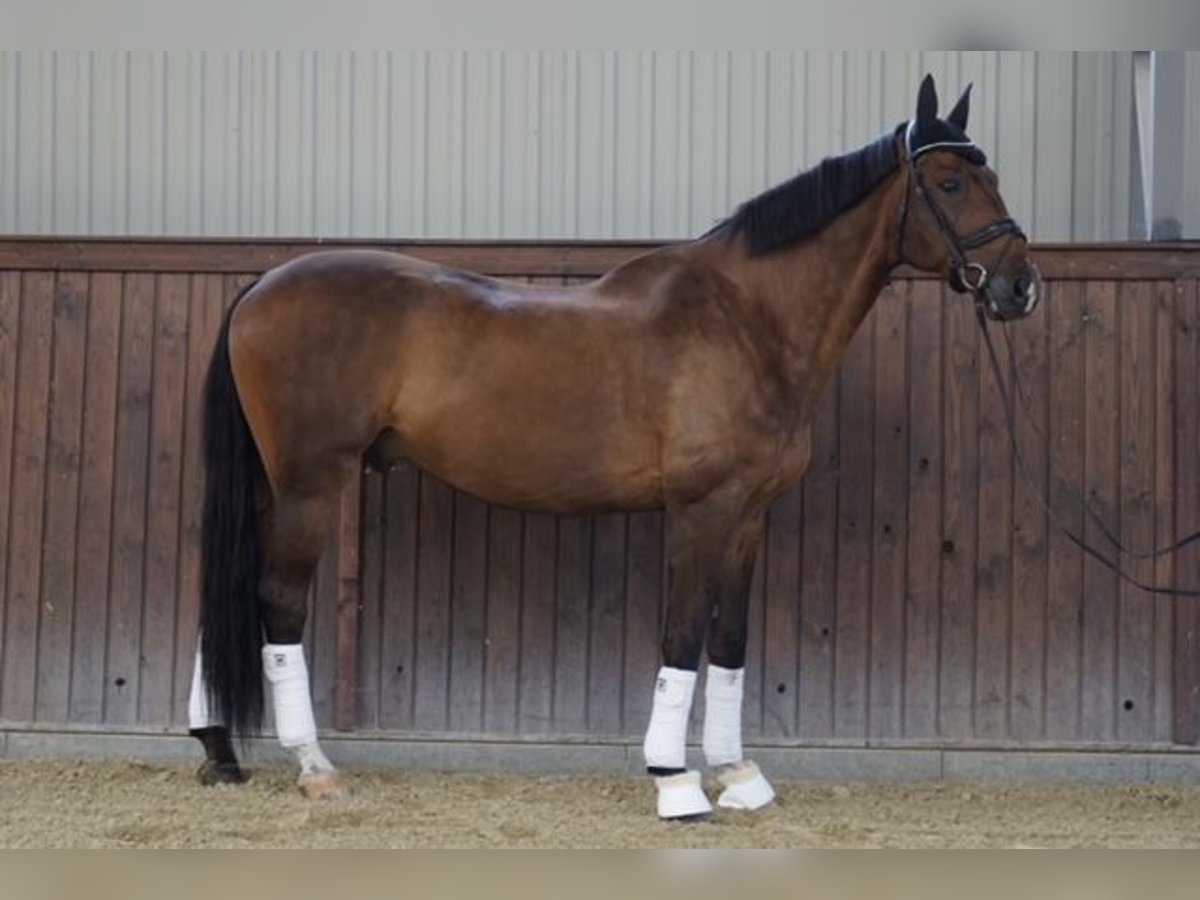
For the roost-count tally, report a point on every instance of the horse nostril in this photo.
(1025, 290)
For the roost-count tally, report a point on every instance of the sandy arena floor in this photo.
(71, 804)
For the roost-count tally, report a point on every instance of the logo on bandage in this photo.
(280, 659)
(661, 685)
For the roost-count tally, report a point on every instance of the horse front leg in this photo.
(708, 541)
(744, 786)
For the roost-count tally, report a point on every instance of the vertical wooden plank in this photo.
(24, 592)
(468, 613)
(1064, 303)
(206, 302)
(890, 491)
(993, 633)
(536, 679)
(129, 501)
(321, 634)
(349, 598)
(1027, 663)
(62, 498)
(819, 571)
(781, 625)
(10, 325)
(643, 619)
(1185, 671)
(853, 624)
(960, 519)
(573, 590)
(163, 501)
(96, 483)
(606, 663)
(1166, 422)
(1100, 479)
(435, 550)
(370, 626)
(1135, 613)
(755, 689)
(401, 498)
(502, 671)
(925, 467)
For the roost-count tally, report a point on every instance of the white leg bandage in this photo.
(723, 716)
(288, 675)
(743, 783)
(198, 713)
(665, 746)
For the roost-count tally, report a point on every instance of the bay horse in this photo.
(684, 380)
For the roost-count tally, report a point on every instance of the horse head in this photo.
(953, 219)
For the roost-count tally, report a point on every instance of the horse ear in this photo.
(927, 101)
(958, 115)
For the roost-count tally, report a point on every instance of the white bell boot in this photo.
(745, 787)
(681, 796)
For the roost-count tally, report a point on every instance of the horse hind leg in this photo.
(220, 764)
(296, 534)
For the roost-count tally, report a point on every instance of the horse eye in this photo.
(950, 185)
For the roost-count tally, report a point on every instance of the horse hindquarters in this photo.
(258, 559)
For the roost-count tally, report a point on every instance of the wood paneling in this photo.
(911, 588)
(24, 590)
(62, 497)
(1185, 387)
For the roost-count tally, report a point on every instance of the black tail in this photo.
(231, 550)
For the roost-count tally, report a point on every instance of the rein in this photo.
(974, 277)
(1036, 491)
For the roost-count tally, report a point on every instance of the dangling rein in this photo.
(1122, 550)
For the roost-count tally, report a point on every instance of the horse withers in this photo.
(684, 380)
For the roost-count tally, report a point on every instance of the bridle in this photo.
(973, 276)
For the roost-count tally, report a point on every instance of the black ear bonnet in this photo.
(927, 132)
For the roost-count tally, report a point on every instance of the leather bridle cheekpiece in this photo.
(973, 276)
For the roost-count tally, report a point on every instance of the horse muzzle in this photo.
(1008, 297)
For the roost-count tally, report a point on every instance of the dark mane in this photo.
(788, 212)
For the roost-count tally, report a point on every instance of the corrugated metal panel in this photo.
(1191, 158)
(516, 144)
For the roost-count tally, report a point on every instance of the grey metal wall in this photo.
(1191, 159)
(516, 144)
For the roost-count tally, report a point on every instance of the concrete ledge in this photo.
(849, 763)
(834, 762)
(1046, 767)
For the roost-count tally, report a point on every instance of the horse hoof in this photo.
(745, 787)
(323, 786)
(681, 799)
(211, 773)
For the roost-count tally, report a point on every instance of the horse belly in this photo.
(547, 457)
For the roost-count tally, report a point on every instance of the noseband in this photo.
(972, 275)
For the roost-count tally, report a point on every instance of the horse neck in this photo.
(816, 293)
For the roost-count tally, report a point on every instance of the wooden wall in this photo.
(911, 589)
